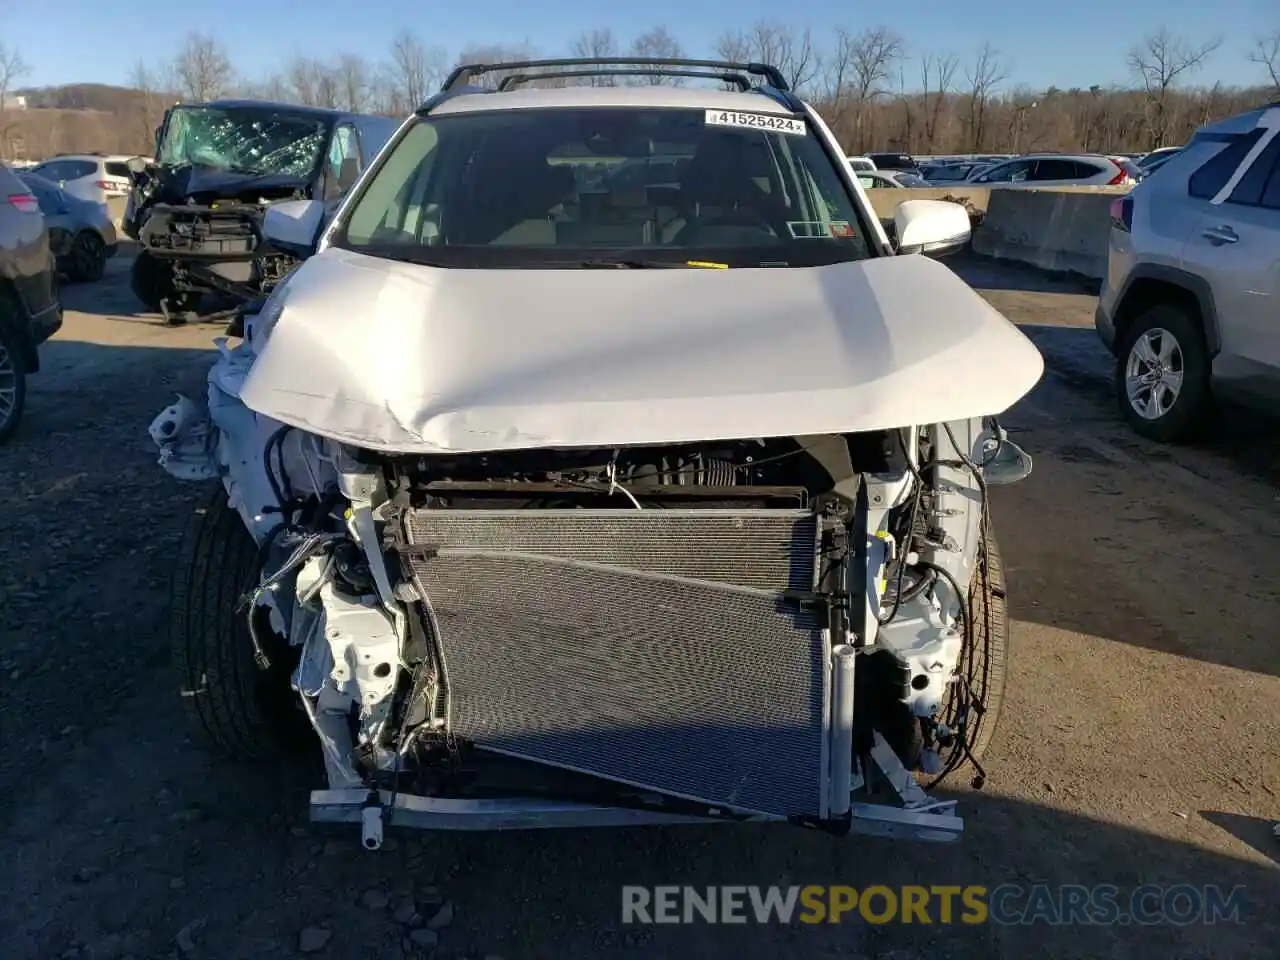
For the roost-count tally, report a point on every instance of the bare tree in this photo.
(983, 79)
(156, 86)
(414, 72)
(303, 81)
(12, 66)
(351, 77)
(595, 44)
(774, 43)
(203, 69)
(1158, 63)
(859, 70)
(937, 80)
(497, 53)
(1266, 53)
(658, 42)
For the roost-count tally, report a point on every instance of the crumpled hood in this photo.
(210, 183)
(407, 358)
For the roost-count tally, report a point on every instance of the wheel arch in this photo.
(1150, 285)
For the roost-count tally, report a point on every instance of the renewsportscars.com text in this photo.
(1007, 904)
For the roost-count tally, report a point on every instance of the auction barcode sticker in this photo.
(756, 121)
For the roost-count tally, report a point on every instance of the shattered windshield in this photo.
(608, 186)
(244, 139)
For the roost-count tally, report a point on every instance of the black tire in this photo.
(88, 257)
(1189, 410)
(13, 370)
(240, 711)
(988, 604)
(989, 607)
(152, 283)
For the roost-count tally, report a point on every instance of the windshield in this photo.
(260, 140)
(608, 187)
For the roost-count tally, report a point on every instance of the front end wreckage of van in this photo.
(603, 562)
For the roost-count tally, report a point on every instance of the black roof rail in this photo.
(463, 73)
(515, 79)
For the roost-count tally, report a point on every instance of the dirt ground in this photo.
(1139, 744)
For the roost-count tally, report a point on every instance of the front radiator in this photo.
(649, 647)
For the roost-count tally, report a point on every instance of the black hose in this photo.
(905, 548)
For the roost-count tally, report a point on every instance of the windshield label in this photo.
(756, 121)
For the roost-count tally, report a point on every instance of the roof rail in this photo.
(466, 72)
(515, 79)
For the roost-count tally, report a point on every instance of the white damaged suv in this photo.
(606, 465)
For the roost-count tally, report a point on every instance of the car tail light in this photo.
(24, 202)
(1120, 179)
(104, 185)
(1122, 213)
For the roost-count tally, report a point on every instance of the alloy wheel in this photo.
(1154, 373)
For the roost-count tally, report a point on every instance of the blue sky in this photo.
(1063, 44)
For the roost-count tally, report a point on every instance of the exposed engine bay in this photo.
(200, 231)
(783, 629)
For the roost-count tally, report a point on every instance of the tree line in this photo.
(872, 88)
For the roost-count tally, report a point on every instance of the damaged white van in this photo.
(607, 465)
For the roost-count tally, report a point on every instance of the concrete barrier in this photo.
(1063, 230)
(885, 200)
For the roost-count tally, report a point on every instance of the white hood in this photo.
(406, 358)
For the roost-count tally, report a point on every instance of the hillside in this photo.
(85, 96)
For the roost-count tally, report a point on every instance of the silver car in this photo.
(81, 233)
(94, 177)
(1190, 300)
(29, 310)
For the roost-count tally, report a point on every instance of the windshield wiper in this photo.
(630, 263)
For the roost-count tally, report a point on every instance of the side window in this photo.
(343, 166)
(53, 170)
(1271, 195)
(1085, 171)
(395, 207)
(1214, 173)
(1249, 191)
(1013, 172)
(1056, 170)
(75, 169)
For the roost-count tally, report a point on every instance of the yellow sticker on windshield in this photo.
(707, 264)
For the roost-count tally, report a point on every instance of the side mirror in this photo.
(935, 228)
(293, 226)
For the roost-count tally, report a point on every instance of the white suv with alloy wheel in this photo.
(1192, 289)
(602, 437)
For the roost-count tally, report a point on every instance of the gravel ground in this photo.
(1138, 742)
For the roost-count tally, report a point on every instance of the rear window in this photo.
(542, 187)
(1062, 170)
(1254, 185)
(116, 169)
(1213, 174)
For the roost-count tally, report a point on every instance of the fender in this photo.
(1195, 285)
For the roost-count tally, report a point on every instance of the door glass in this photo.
(1008, 173)
(343, 166)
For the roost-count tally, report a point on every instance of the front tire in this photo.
(1162, 374)
(240, 711)
(13, 374)
(152, 281)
